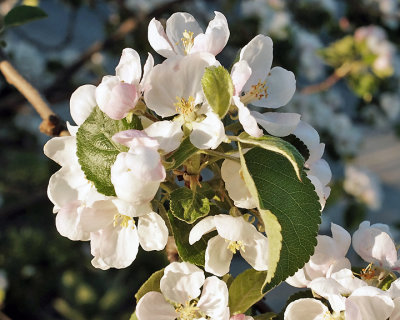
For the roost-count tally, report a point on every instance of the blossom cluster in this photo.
(373, 293)
(132, 170)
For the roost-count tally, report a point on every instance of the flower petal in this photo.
(176, 25)
(68, 222)
(240, 73)
(215, 38)
(129, 69)
(308, 308)
(168, 134)
(158, 39)
(258, 54)
(61, 150)
(153, 232)
(181, 282)
(276, 123)
(247, 120)
(256, 250)
(281, 85)
(209, 133)
(218, 257)
(206, 225)
(82, 103)
(235, 185)
(321, 170)
(214, 297)
(148, 66)
(153, 306)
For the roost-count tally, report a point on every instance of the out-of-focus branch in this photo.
(339, 73)
(52, 125)
(58, 91)
(171, 250)
(3, 316)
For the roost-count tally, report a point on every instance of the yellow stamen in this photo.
(188, 311)
(187, 41)
(183, 106)
(233, 246)
(257, 92)
(122, 220)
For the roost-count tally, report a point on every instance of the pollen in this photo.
(187, 41)
(122, 220)
(233, 246)
(183, 106)
(256, 92)
(368, 273)
(188, 311)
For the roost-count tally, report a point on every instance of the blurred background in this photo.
(345, 55)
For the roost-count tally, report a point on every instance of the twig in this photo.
(338, 74)
(4, 317)
(52, 125)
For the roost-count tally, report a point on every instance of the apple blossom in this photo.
(374, 244)
(68, 188)
(256, 83)
(183, 35)
(176, 90)
(136, 174)
(114, 237)
(179, 296)
(328, 258)
(117, 95)
(234, 234)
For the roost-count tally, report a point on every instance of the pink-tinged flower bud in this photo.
(116, 98)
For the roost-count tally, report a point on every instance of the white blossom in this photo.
(234, 234)
(183, 35)
(181, 296)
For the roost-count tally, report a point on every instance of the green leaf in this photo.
(246, 290)
(191, 253)
(218, 89)
(184, 152)
(277, 145)
(294, 203)
(271, 224)
(189, 206)
(152, 284)
(23, 14)
(133, 316)
(96, 150)
(265, 316)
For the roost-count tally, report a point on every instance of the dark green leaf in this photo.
(152, 284)
(277, 145)
(23, 14)
(218, 89)
(246, 290)
(191, 253)
(184, 152)
(294, 203)
(97, 151)
(189, 206)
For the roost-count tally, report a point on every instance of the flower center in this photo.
(368, 273)
(233, 246)
(122, 220)
(188, 311)
(334, 316)
(187, 41)
(256, 92)
(183, 106)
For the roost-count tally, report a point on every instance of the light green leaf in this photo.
(218, 89)
(190, 253)
(277, 145)
(271, 224)
(152, 284)
(246, 290)
(96, 150)
(133, 316)
(23, 14)
(189, 206)
(294, 203)
(184, 152)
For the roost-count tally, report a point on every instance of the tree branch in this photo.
(52, 125)
(338, 74)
